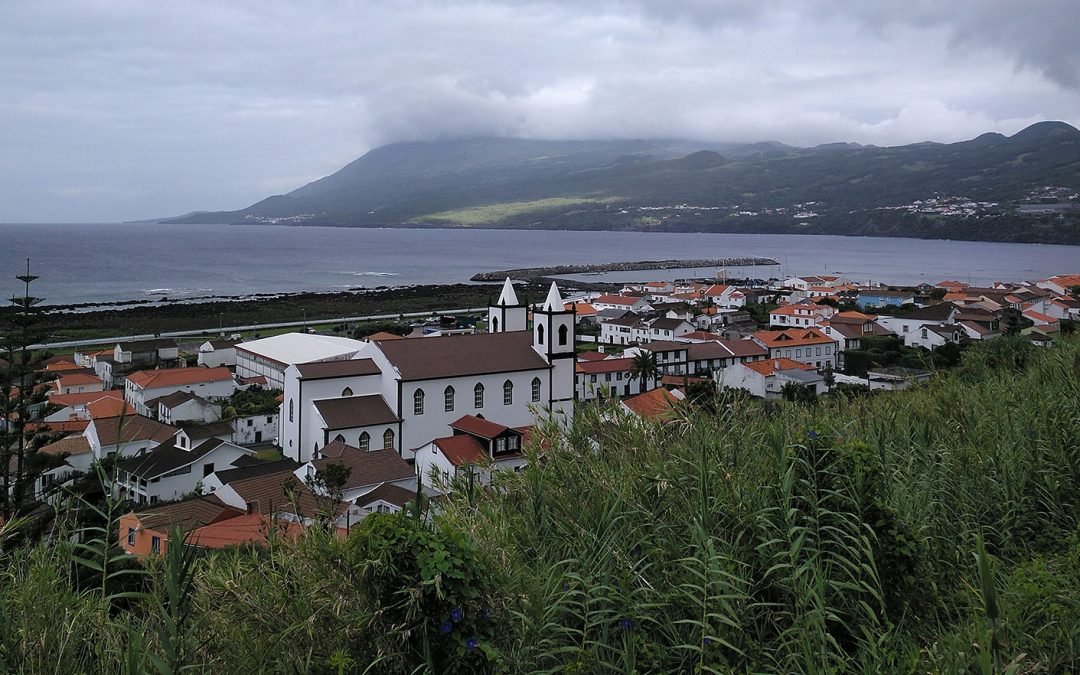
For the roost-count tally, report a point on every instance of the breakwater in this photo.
(529, 273)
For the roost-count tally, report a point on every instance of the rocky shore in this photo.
(534, 273)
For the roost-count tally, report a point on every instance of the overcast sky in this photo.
(125, 109)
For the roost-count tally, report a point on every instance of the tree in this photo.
(21, 399)
(645, 368)
(828, 375)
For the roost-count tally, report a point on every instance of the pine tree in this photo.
(21, 401)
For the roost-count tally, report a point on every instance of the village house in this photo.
(184, 406)
(619, 331)
(477, 446)
(931, 336)
(627, 303)
(214, 353)
(1061, 284)
(173, 469)
(126, 435)
(800, 314)
(767, 379)
(911, 323)
(146, 532)
(509, 376)
(895, 378)
(146, 385)
(884, 298)
(806, 345)
(270, 357)
(80, 382)
(606, 377)
(88, 406)
(77, 456)
(849, 329)
(709, 358)
(366, 469)
(656, 405)
(672, 358)
(256, 428)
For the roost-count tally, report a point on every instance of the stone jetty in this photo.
(531, 273)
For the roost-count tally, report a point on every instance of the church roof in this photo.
(462, 355)
(508, 298)
(355, 411)
(554, 301)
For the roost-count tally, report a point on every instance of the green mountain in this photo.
(921, 190)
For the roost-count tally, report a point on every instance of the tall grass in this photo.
(934, 530)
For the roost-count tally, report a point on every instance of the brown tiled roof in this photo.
(325, 370)
(72, 445)
(67, 426)
(197, 431)
(665, 346)
(383, 335)
(109, 407)
(75, 379)
(187, 514)
(267, 495)
(355, 411)
(243, 469)
(478, 427)
(591, 356)
(174, 377)
(111, 430)
(84, 398)
(461, 449)
(369, 467)
(387, 492)
(743, 348)
(174, 399)
(166, 457)
(463, 355)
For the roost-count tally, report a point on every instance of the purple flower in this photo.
(811, 434)
(706, 642)
(446, 627)
(626, 624)
(456, 614)
(472, 643)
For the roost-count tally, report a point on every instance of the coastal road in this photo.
(260, 326)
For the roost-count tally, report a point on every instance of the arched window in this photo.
(291, 406)
(508, 393)
(365, 441)
(536, 390)
(346, 392)
(478, 395)
(388, 439)
(418, 402)
(339, 438)
(494, 324)
(448, 399)
(563, 333)
(539, 333)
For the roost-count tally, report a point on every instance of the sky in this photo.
(125, 109)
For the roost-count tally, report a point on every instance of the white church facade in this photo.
(404, 393)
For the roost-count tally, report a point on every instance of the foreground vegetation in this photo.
(926, 531)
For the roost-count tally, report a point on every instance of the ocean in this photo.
(84, 263)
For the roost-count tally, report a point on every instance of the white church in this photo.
(403, 394)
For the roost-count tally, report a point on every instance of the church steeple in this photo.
(508, 314)
(554, 339)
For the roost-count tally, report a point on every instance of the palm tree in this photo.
(646, 368)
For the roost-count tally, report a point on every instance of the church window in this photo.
(540, 334)
(494, 324)
(418, 402)
(291, 406)
(536, 390)
(346, 392)
(388, 439)
(365, 441)
(508, 393)
(339, 438)
(478, 395)
(563, 333)
(448, 396)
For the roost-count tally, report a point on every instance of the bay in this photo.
(82, 263)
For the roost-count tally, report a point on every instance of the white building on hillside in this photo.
(401, 394)
(269, 357)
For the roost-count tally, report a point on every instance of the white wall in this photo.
(245, 428)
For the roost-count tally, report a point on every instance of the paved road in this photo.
(238, 329)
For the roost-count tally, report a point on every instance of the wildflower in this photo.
(472, 643)
(446, 627)
(456, 614)
(811, 435)
(626, 624)
(705, 642)
(487, 614)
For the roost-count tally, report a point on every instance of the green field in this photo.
(494, 213)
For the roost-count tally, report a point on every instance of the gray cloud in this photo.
(125, 109)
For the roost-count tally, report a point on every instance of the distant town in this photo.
(222, 436)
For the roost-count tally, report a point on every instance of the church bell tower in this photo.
(553, 339)
(507, 314)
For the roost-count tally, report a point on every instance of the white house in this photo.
(173, 469)
(800, 315)
(255, 429)
(896, 378)
(145, 385)
(609, 377)
(477, 446)
(269, 357)
(625, 302)
(126, 436)
(425, 384)
(213, 353)
(619, 331)
(766, 379)
(184, 406)
(909, 324)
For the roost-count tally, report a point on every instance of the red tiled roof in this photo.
(461, 449)
(615, 300)
(591, 356)
(250, 528)
(173, 377)
(654, 404)
(109, 407)
(606, 366)
(72, 445)
(770, 366)
(85, 397)
(69, 426)
(701, 335)
(383, 335)
(75, 379)
(794, 337)
(478, 427)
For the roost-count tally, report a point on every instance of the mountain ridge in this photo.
(632, 184)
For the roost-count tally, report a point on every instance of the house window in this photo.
(924, 333)
(448, 399)
(563, 333)
(592, 378)
(818, 353)
(905, 328)
(539, 333)
(346, 392)
(365, 441)
(478, 395)
(251, 423)
(207, 469)
(131, 536)
(536, 390)
(798, 353)
(513, 443)
(269, 419)
(339, 438)
(828, 351)
(388, 439)
(418, 402)
(508, 393)
(291, 410)
(500, 445)
(155, 545)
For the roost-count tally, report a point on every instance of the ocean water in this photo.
(81, 263)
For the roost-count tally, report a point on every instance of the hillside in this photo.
(839, 188)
